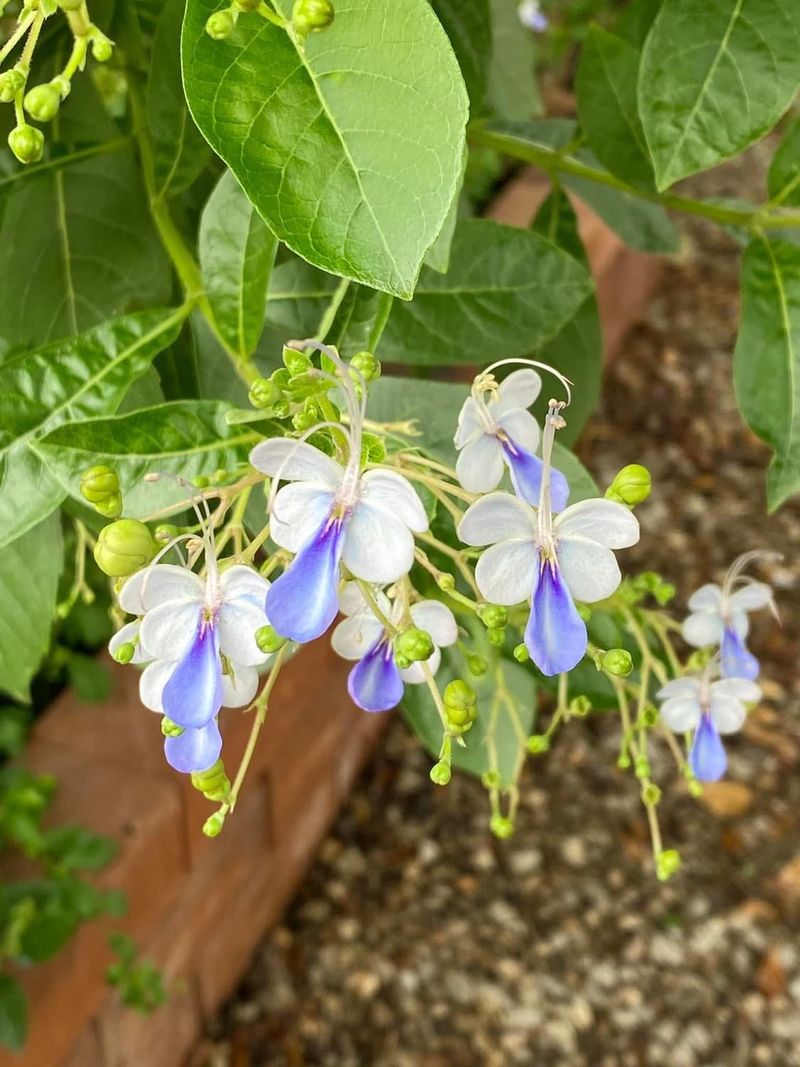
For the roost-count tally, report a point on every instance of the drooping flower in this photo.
(709, 709)
(549, 562)
(376, 682)
(496, 429)
(719, 617)
(532, 16)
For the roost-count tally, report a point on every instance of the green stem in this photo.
(381, 318)
(16, 37)
(328, 318)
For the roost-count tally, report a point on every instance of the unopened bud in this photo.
(501, 827)
(617, 661)
(263, 393)
(521, 654)
(221, 25)
(165, 532)
(493, 616)
(460, 704)
(99, 484)
(213, 825)
(27, 143)
(441, 773)
(651, 795)
(125, 652)
(668, 862)
(538, 743)
(296, 362)
(491, 780)
(124, 547)
(42, 102)
(170, 728)
(477, 665)
(12, 82)
(102, 47)
(631, 486)
(446, 582)
(366, 366)
(310, 16)
(496, 636)
(269, 640)
(111, 508)
(414, 645)
(580, 706)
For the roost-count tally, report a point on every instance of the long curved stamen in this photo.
(206, 526)
(734, 574)
(322, 425)
(553, 421)
(515, 361)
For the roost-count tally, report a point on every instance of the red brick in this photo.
(87, 1052)
(163, 1039)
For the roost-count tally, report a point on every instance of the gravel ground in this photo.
(419, 941)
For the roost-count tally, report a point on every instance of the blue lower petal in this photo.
(375, 683)
(556, 634)
(193, 694)
(736, 659)
(304, 601)
(526, 476)
(194, 750)
(707, 758)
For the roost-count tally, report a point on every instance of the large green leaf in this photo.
(84, 376)
(186, 437)
(715, 76)
(468, 24)
(636, 21)
(506, 293)
(77, 247)
(783, 180)
(327, 138)
(298, 297)
(766, 364)
(606, 86)
(179, 150)
(512, 92)
(29, 572)
(237, 251)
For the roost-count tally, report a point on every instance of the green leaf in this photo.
(13, 1013)
(186, 437)
(237, 252)
(438, 257)
(84, 376)
(354, 320)
(512, 92)
(783, 180)
(298, 297)
(636, 20)
(766, 366)
(341, 168)
(606, 86)
(714, 77)
(506, 293)
(75, 848)
(179, 151)
(89, 251)
(468, 24)
(29, 572)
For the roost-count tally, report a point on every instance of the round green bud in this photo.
(213, 825)
(27, 143)
(373, 448)
(477, 665)
(102, 47)
(521, 654)
(491, 780)
(501, 827)
(281, 409)
(282, 378)
(111, 508)
(200, 481)
(263, 393)
(170, 728)
(496, 636)
(165, 531)
(402, 662)
(269, 640)
(441, 773)
(668, 862)
(493, 616)
(624, 762)
(617, 661)
(641, 767)
(124, 547)
(580, 706)
(366, 366)
(221, 25)
(446, 582)
(304, 420)
(12, 82)
(310, 16)
(125, 652)
(460, 696)
(538, 743)
(296, 362)
(99, 484)
(651, 795)
(42, 102)
(631, 485)
(414, 645)
(210, 777)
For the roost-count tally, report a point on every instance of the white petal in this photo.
(355, 635)
(298, 511)
(706, 598)
(522, 428)
(295, 461)
(239, 688)
(129, 634)
(238, 621)
(751, 597)
(505, 571)
(151, 684)
(590, 570)
(703, 628)
(415, 674)
(727, 712)
(479, 466)
(468, 423)
(740, 623)
(518, 390)
(681, 713)
(168, 629)
(437, 620)
(497, 517)
(680, 687)
(396, 495)
(351, 599)
(241, 582)
(604, 521)
(154, 585)
(377, 546)
(739, 688)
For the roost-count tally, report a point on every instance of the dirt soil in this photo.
(419, 941)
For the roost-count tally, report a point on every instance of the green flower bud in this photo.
(580, 706)
(460, 705)
(650, 715)
(165, 531)
(282, 378)
(170, 728)
(493, 616)
(631, 485)
(441, 773)
(624, 762)
(124, 547)
(221, 25)
(642, 767)
(263, 393)
(496, 636)
(12, 82)
(102, 47)
(42, 102)
(27, 143)
(617, 661)
(304, 420)
(446, 582)
(414, 645)
(281, 409)
(269, 640)
(521, 654)
(366, 366)
(99, 485)
(373, 448)
(125, 652)
(668, 862)
(477, 665)
(402, 662)
(111, 508)
(491, 780)
(501, 827)
(538, 743)
(200, 481)
(213, 825)
(296, 362)
(310, 16)
(651, 795)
